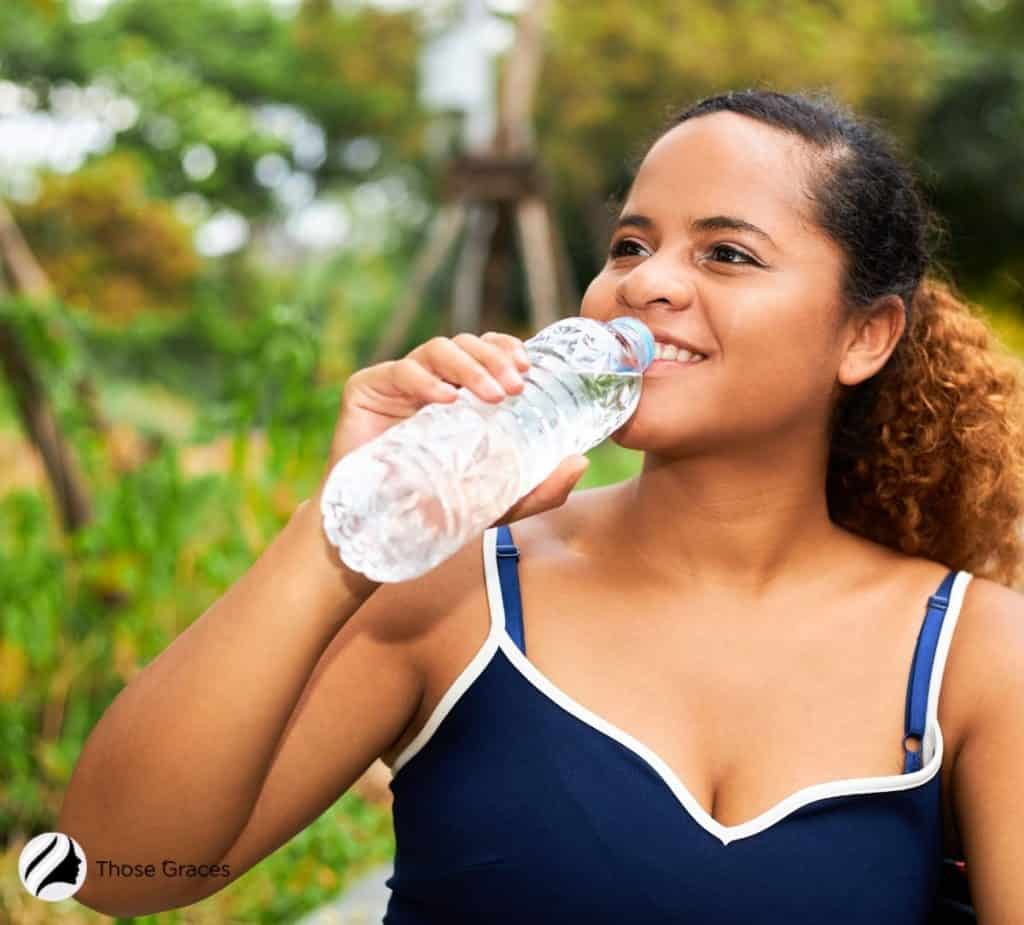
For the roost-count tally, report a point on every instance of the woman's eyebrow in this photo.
(710, 223)
(636, 220)
(729, 223)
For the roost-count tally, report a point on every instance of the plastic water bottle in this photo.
(404, 502)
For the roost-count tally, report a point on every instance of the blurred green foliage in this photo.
(615, 72)
(163, 545)
(199, 70)
(107, 246)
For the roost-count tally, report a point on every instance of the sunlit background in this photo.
(214, 211)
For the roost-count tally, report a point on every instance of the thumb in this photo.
(582, 463)
(573, 475)
(551, 492)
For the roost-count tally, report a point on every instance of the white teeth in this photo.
(680, 354)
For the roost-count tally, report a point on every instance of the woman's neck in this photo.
(748, 530)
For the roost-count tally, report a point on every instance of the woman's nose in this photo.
(653, 282)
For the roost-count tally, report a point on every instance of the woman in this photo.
(729, 705)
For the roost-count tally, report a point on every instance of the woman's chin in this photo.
(646, 432)
(637, 436)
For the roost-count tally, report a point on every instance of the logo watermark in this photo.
(52, 866)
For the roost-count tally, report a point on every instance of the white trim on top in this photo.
(932, 745)
(956, 600)
(476, 665)
(498, 638)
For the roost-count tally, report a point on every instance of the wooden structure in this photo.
(495, 200)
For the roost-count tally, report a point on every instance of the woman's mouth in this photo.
(670, 359)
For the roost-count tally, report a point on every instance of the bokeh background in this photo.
(213, 211)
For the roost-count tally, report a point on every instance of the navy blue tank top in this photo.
(516, 804)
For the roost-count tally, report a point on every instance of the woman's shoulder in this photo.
(988, 648)
(985, 650)
(985, 671)
(989, 626)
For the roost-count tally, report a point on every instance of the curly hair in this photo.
(926, 456)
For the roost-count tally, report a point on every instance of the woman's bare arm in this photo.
(987, 771)
(208, 756)
(361, 700)
(174, 767)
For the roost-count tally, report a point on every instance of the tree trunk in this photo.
(494, 315)
(41, 427)
(520, 81)
(18, 264)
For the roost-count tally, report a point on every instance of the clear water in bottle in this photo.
(404, 502)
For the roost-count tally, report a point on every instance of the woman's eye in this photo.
(727, 249)
(619, 248)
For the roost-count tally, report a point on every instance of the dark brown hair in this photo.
(927, 456)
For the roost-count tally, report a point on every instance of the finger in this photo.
(416, 381)
(552, 492)
(577, 466)
(515, 347)
(496, 355)
(450, 361)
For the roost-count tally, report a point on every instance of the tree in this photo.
(200, 99)
(970, 138)
(207, 78)
(22, 276)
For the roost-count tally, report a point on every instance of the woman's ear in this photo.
(871, 337)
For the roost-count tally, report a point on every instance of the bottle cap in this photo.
(639, 334)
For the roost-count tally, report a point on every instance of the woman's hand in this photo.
(550, 493)
(491, 366)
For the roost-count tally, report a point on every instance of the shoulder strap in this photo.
(508, 575)
(921, 673)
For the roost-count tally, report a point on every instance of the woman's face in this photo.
(716, 246)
